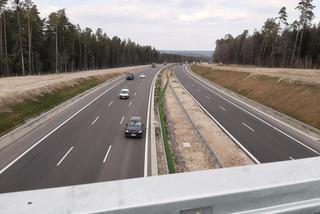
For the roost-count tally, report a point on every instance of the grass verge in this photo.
(164, 126)
(29, 108)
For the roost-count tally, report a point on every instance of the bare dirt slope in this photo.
(311, 76)
(15, 89)
(292, 92)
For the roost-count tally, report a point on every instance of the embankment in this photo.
(297, 99)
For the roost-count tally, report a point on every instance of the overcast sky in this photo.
(172, 24)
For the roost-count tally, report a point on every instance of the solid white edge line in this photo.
(201, 82)
(248, 127)
(95, 120)
(105, 157)
(224, 129)
(55, 129)
(122, 120)
(147, 127)
(64, 156)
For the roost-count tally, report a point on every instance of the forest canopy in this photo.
(277, 44)
(31, 45)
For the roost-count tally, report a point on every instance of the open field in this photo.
(291, 91)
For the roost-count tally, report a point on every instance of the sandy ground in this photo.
(227, 152)
(16, 89)
(189, 154)
(311, 76)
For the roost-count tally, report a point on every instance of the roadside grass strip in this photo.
(164, 127)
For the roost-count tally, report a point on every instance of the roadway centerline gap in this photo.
(65, 156)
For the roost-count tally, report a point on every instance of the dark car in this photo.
(130, 76)
(134, 127)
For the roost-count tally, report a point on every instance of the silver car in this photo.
(143, 76)
(124, 94)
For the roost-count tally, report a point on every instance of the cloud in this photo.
(171, 24)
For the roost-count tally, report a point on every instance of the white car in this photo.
(142, 76)
(124, 93)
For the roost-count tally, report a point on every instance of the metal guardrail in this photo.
(283, 187)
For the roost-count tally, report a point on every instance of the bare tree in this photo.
(17, 5)
(54, 22)
(282, 19)
(306, 15)
(29, 4)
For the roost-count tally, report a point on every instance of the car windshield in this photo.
(134, 123)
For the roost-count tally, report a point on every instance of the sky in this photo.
(172, 24)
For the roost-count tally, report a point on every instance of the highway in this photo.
(262, 137)
(86, 143)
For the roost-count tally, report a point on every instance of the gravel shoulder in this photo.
(188, 152)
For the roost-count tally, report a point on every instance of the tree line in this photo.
(30, 45)
(277, 44)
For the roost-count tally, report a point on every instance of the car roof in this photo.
(135, 118)
(124, 89)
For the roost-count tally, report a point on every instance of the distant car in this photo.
(124, 93)
(134, 127)
(154, 65)
(130, 76)
(142, 76)
(165, 62)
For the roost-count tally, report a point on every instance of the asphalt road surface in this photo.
(261, 136)
(86, 143)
